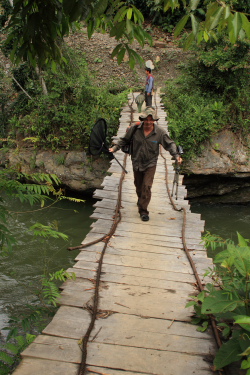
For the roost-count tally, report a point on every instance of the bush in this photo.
(212, 93)
(63, 118)
(227, 298)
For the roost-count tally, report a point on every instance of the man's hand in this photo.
(111, 150)
(179, 160)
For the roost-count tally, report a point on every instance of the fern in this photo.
(46, 231)
(6, 358)
(214, 241)
(62, 275)
(50, 292)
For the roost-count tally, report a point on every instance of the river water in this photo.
(225, 220)
(21, 270)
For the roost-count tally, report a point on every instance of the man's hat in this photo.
(148, 111)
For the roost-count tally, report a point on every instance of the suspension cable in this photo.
(106, 238)
(192, 264)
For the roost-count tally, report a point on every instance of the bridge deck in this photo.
(142, 325)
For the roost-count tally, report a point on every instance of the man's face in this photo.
(149, 120)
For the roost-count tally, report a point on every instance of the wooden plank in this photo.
(129, 330)
(148, 273)
(120, 278)
(148, 252)
(161, 262)
(139, 360)
(155, 303)
(163, 241)
(54, 348)
(161, 227)
(93, 370)
(37, 366)
(71, 322)
(133, 271)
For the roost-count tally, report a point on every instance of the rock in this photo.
(224, 154)
(75, 169)
(222, 171)
(159, 44)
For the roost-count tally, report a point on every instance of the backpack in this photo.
(128, 148)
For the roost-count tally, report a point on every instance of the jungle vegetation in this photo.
(50, 82)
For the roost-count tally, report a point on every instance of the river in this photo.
(21, 270)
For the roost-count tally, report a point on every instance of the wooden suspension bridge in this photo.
(136, 311)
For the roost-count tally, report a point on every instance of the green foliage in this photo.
(64, 118)
(213, 93)
(39, 189)
(36, 30)
(192, 118)
(209, 19)
(34, 320)
(45, 231)
(228, 299)
(10, 355)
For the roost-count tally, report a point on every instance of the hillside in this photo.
(164, 53)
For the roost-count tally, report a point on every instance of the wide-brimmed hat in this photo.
(149, 111)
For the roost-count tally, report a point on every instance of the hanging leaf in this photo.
(129, 13)
(180, 25)
(245, 24)
(216, 18)
(237, 24)
(120, 55)
(228, 353)
(195, 24)
(116, 50)
(243, 321)
(194, 4)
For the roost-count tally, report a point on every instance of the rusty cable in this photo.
(192, 264)
(105, 238)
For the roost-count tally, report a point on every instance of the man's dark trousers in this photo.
(148, 99)
(143, 182)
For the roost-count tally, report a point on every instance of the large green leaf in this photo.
(242, 261)
(246, 24)
(194, 4)
(242, 241)
(228, 353)
(220, 301)
(180, 25)
(243, 321)
(216, 18)
(237, 24)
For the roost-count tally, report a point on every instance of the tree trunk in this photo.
(41, 80)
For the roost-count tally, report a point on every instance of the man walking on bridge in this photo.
(149, 87)
(147, 137)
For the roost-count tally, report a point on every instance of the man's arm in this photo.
(169, 145)
(122, 141)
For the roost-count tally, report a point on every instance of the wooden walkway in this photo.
(142, 325)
